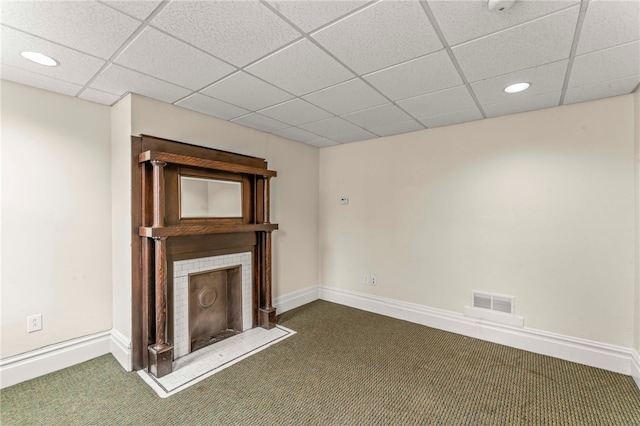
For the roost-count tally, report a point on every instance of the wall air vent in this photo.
(493, 307)
(493, 302)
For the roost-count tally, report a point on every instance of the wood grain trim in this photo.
(184, 230)
(185, 160)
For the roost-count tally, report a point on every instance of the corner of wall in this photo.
(635, 367)
(637, 230)
(121, 225)
(120, 348)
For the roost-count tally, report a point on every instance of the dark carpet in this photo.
(343, 367)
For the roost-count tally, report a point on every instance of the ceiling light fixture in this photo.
(517, 87)
(40, 58)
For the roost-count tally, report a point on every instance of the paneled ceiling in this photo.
(329, 72)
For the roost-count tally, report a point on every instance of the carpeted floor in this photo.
(343, 367)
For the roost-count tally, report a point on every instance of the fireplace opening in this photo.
(215, 306)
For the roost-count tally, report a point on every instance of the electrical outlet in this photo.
(365, 279)
(34, 323)
(373, 280)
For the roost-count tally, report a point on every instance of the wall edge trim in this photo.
(587, 352)
(36, 363)
(295, 299)
(635, 367)
(120, 348)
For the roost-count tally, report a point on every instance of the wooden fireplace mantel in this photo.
(158, 165)
(186, 230)
(186, 160)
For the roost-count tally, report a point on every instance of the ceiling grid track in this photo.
(447, 48)
(574, 47)
(124, 46)
(309, 36)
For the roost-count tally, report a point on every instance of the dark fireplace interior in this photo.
(215, 306)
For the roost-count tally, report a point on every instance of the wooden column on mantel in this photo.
(161, 352)
(164, 163)
(267, 316)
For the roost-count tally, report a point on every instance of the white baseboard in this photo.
(296, 299)
(622, 360)
(120, 347)
(27, 366)
(595, 354)
(635, 367)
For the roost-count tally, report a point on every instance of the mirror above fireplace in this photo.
(209, 198)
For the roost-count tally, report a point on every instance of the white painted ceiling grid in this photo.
(329, 72)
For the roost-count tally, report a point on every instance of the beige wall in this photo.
(294, 191)
(539, 205)
(56, 217)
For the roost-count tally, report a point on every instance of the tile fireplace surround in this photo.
(191, 368)
(181, 271)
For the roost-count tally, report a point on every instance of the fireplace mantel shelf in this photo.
(185, 230)
(186, 160)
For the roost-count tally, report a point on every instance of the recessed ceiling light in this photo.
(40, 58)
(516, 87)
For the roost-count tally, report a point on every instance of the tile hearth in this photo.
(197, 366)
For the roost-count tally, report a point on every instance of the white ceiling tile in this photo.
(322, 142)
(427, 74)
(237, 31)
(247, 91)
(360, 135)
(369, 39)
(118, 80)
(309, 15)
(75, 67)
(378, 116)
(210, 106)
(99, 96)
(609, 23)
(296, 134)
(352, 95)
(465, 20)
(169, 59)
(605, 89)
(535, 43)
(608, 64)
(454, 117)
(330, 127)
(295, 112)
(545, 100)
(260, 122)
(300, 80)
(396, 128)
(300, 69)
(543, 79)
(29, 78)
(449, 100)
(87, 26)
(138, 9)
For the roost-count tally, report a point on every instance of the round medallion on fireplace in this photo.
(207, 297)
